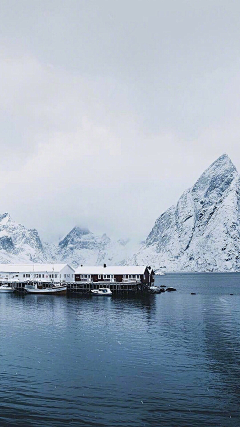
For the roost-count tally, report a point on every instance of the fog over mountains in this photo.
(200, 233)
(79, 246)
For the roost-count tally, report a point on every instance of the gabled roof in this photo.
(122, 269)
(32, 268)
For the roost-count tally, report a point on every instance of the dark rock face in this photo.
(76, 239)
(33, 239)
(6, 244)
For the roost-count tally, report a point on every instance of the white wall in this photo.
(65, 274)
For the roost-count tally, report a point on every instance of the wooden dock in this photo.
(86, 287)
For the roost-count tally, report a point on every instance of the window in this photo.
(99, 277)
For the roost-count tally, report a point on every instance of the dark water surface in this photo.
(161, 360)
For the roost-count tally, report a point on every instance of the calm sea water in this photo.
(161, 360)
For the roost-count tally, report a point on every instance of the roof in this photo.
(32, 268)
(122, 269)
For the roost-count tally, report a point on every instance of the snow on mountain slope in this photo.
(81, 246)
(202, 232)
(17, 243)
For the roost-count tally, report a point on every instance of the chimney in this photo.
(104, 265)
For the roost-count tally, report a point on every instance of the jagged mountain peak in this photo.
(82, 246)
(76, 235)
(79, 231)
(215, 179)
(202, 232)
(4, 218)
(105, 239)
(221, 160)
(18, 242)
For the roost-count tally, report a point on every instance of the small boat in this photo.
(170, 289)
(155, 290)
(102, 291)
(37, 288)
(6, 288)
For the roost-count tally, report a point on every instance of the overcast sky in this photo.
(110, 109)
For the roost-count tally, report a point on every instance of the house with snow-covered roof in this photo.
(36, 272)
(114, 277)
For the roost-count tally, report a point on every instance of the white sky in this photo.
(110, 109)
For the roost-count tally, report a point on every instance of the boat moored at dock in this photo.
(38, 288)
(117, 278)
(106, 292)
(59, 278)
(155, 290)
(6, 288)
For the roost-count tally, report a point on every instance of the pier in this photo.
(84, 279)
(85, 288)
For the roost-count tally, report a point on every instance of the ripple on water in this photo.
(167, 359)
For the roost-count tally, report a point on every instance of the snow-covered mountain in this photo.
(202, 232)
(21, 245)
(81, 246)
(18, 244)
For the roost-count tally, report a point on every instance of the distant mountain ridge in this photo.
(80, 246)
(200, 233)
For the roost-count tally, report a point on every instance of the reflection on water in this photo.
(158, 360)
(222, 338)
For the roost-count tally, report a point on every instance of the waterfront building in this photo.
(116, 278)
(45, 273)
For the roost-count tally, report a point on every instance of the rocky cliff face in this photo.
(202, 232)
(18, 244)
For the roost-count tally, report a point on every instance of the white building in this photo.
(39, 272)
(114, 274)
